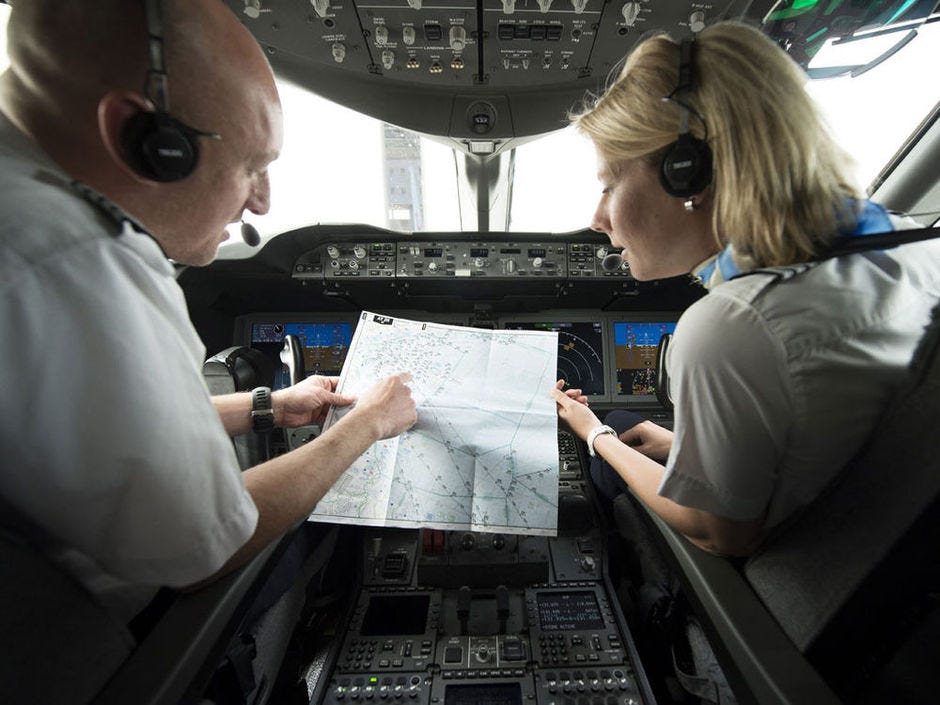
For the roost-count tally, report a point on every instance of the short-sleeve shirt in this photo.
(111, 447)
(777, 381)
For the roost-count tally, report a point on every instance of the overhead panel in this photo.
(461, 43)
(539, 41)
(422, 42)
(464, 68)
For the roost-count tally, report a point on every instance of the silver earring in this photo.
(689, 204)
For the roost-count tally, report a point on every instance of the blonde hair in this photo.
(780, 188)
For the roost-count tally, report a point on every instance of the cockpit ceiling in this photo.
(484, 70)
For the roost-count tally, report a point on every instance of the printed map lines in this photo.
(483, 454)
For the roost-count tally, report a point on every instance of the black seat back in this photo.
(61, 646)
(845, 577)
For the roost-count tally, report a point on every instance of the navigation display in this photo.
(635, 344)
(580, 352)
(324, 346)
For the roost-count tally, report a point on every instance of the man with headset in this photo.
(115, 459)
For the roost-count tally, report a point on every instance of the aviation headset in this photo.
(157, 145)
(686, 167)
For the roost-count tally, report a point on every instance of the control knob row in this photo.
(358, 251)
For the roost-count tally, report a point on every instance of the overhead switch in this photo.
(414, 4)
(408, 35)
(388, 59)
(320, 7)
(339, 52)
(509, 6)
(544, 5)
(458, 38)
(578, 6)
(697, 21)
(381, 35)
(630, 11)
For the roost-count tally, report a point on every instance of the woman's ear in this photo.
(116, 111)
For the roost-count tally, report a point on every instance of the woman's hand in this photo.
(573, 410)
(573, 393)
(651, 440)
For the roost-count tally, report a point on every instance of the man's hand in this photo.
(651, 440)
(307, 402)
(388, 405)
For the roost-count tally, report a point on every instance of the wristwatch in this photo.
(592, 436)
(262, 415)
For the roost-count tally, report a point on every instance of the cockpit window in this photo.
(873, 113)
(339, 166)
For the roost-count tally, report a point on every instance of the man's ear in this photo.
(115, 110)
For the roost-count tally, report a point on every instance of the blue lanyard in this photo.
(872, 219)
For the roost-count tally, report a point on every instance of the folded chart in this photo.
(483, 455)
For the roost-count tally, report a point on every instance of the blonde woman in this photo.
(780, 373)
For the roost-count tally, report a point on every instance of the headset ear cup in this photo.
(158, 148)
(686, 167)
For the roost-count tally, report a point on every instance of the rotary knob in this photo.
(359, 251)
(467, 542)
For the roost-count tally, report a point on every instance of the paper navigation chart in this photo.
(483, 455)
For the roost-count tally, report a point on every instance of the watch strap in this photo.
(592, 436)
(262, 413)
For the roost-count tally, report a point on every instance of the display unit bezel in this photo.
(622, 317)
(567, 316)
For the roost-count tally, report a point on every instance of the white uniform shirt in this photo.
(111, 447)
(777, 384)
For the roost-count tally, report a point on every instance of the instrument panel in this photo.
(443, 259)
(464, 618)
(611, 357)
(461, 617)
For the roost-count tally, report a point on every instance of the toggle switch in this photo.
(630, 11)
(381, 35)
(458, 38)
(339, 52)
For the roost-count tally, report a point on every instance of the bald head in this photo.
(78, 74)
(65, 56)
